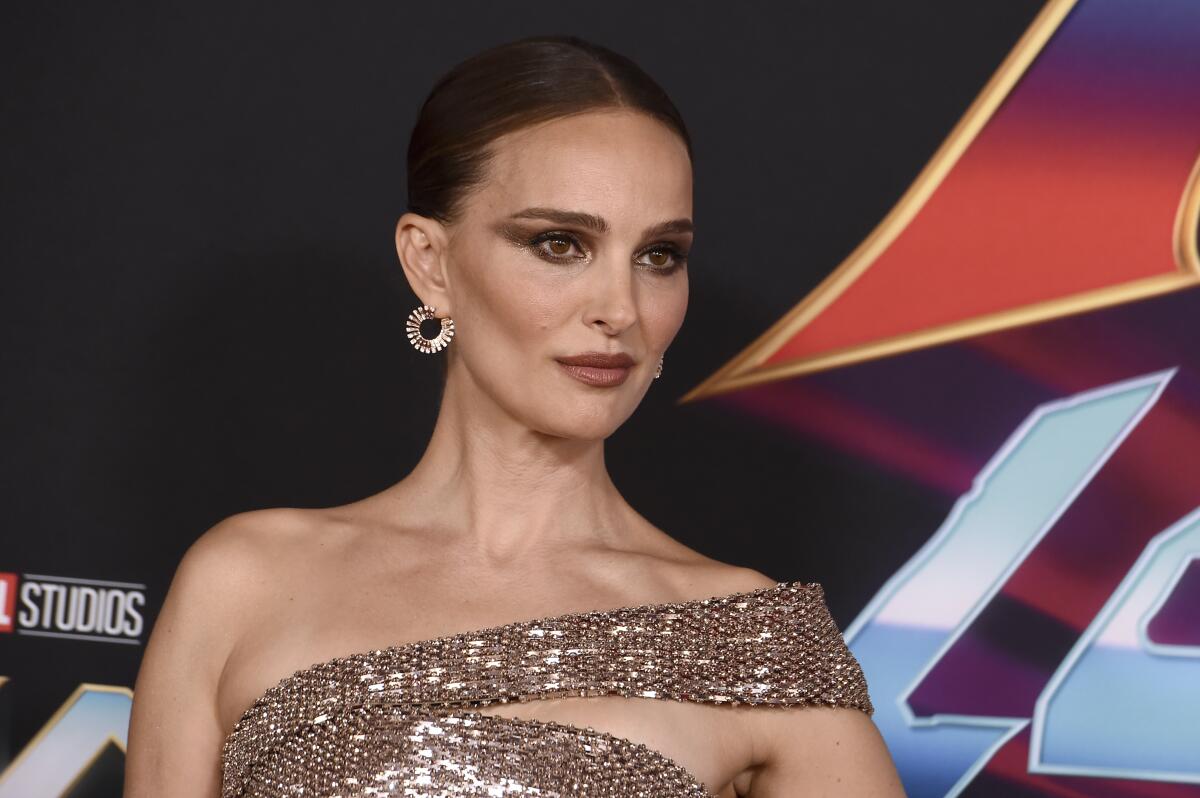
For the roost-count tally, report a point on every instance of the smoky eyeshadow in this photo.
(515, 234)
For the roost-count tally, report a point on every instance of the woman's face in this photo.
(575, 243)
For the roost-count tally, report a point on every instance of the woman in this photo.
(550, 204)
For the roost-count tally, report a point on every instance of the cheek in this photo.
(663, 313)
(507, 312)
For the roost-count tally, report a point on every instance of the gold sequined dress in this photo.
(399, 722)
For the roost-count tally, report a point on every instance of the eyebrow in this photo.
(597, 223)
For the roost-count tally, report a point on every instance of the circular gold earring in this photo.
(418, 339)
(658, 373)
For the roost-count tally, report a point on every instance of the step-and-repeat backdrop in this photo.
(942, 355)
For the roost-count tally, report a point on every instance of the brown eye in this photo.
(663, 259)
(555, 246)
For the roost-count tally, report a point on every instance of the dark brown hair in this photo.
(509, 87)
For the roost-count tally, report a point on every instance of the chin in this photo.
(585, 423)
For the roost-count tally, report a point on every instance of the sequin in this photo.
(398, 721)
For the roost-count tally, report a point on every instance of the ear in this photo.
(421, 244)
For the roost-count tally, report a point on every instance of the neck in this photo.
(502, 491)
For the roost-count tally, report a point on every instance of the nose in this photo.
(611, 303)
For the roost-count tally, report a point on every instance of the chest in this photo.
(711, 742)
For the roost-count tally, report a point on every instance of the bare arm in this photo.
(823, 751)
(175, 736)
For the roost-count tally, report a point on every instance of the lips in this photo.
(598, 368)
(599, 360)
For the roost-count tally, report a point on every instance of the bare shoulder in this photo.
(175, 734)
(240, 566)
(242, 539)
(692, 574)
(226, 570)
(738, 578)
(697, 576)
(228, 563)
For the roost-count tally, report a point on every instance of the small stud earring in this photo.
(418, 339)
(658, 372)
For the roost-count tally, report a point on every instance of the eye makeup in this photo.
(535, 243)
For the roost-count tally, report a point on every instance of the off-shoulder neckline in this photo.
(813, 587)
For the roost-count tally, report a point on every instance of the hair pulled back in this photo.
(506, 88)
